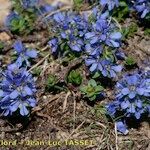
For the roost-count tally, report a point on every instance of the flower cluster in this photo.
(132, 96)
(69, 30)
(142, 7)
(103, 31)
(103, 40)
(17, 91)
(106, 67)
(17, 87)
(97, 36)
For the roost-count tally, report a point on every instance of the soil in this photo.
(64, 121)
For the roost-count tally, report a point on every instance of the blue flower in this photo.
(122, 127)
(75, 44)
(112, 108)
(104, 32)
(143, 7)
(93, 49)
(70, 29)
(132, 97)
(23, 53)
(46, 8)
(53, 45)
(60, 18)
(17, 91)
(132, 86)
(29, 3)
(11, 17)
(111, 4)
(120, 55)
(133, 92)
(106, 67)
(113, 39)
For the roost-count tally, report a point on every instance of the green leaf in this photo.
(147, 31)
(99, 88)
(122, 11)
(51, 81)
(74, 77)
(96, 75)
(92, 98)
(92, 83)
(130, 61)
(1, 46)
(91, 90)
(37, 71)
(83, 89)
(129, 31)
(78, 3)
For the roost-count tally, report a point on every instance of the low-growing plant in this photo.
(75, 77)
(17, 91)
(78, 4)
(110, 4)
(52, 84)
(36, 71)
(1, 46)
(142, 7)
(132, 98)
(22, 19)
(122, 11)
(129, 31)
(129, 61)
(92, 91)
(23, 53)
(99, 110)
(147, 31)
(25, 14)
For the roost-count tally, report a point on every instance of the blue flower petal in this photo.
(6, 112)
(137, 115)
(89, 35)
(59, 17)
(93, 67)
(144, 13)
(1, 93)
(125, 91)
(14, 94)
(89, 62)
(138, 103)
(125, 104)
(18, 46)
(114, 43)
(140, 91)
(31, 53)
(112, 74)
(28, 90)
(115, 35)
(15, 106)
(117, 68)
(105, 73)
(23, 110)
(19, 61)
(121, 127)
(132, 95)
(131, 109)
(132, 80)
(32, 102)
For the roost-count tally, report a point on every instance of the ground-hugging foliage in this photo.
(96, 37)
